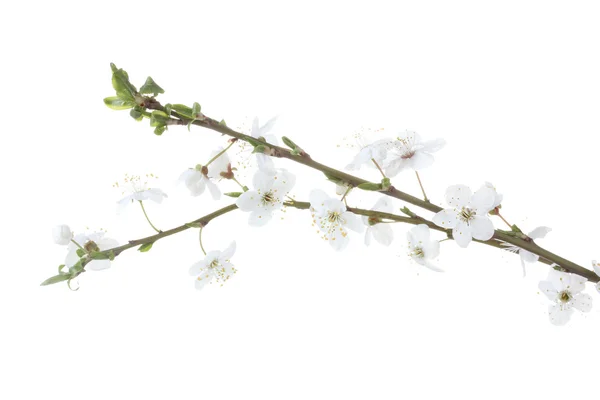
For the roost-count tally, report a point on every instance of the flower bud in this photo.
(62, 234)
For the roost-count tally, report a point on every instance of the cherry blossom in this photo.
(408, 151)
(497, 198)
(468, 216)
(376, 151)
(270, 188)
(332, 218)
(216, 266)
(596, 267)
(62, 235)
(421, 248)
(199, 178)
(90, 242)
(564, 290)
(526, 256)
(382, 232)
(265, 162)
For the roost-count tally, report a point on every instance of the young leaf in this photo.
(158, 118)
(136, 114)
(370, 186)
(120, 81)
(233, 194)
(159, 130)
(183, 110)
(150, 87)
(195, 110)
(194, 225)
(56, 279)
(145, 247)
(116, 103)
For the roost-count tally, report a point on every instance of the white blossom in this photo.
(382, 232)
(216, 266)
(422, 249)
(90, 242)
(332, 219)
(139, 191)
(497, 198)
(526, 256)
(564, 290)
(199, 178)
(376, 151)
(62, 235)
(408, 151)
(468, 217)
(268, 195)
(265, 162)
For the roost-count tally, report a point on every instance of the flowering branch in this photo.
(467, 218)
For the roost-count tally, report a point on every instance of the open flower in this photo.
(408, 151)
(497, 196)
(62, 235)
(468, 216)
(267, 196)
(564, 290)
(382, 232)
(526, 256)
(199, 178)
(216, 266)
(265, 162)
(376, 151)
(332, 219)
(90, 242)
(421, 248)
(139, 190)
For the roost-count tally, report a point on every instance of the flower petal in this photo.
(583, 302)
(383, 233)
(482, 227)
(540, 232)
(559, 315)
(447, 219)
(213, 189)
(547, 288)
(228, 252)
(259, 217)
(431, 146)
(483, 200)
(352, 222)
(98, 265)
(458, 196)
(420, 160)
(248, 201)
(462, 234)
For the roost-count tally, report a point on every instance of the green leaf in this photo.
(260, 149)
(158, 118)
(195, 110)
(385, 183)
(99, 255)
(150, 87)
(60, 268)
(183, 110)
(288, 142)
(159, 130)
(233, 194)
(194, 225)
(168, 108)
(370, 186)
(55, 279)
(120, 81)
(332, 178)
(136, 114)
(145, 247)
(254, 142)
(222, 123)
(80, 253)
(116, 103)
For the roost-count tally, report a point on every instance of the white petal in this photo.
(384, 204)
(383, 233)
(317, 200)
(98, 265)
(339, 241)
(393, 166)
(420, 160)
(596, 267)
(483, 200)
(259, 217)
(228, 252)
(462, 234)
(421, 233)
(62, 235)
(431, 146)
(268, 126)
(249, 201)
(583, 302)
(213, 189)
(482, 228)
(431, 249)
(447, 219)
(458, 196)
(202, 281)
(559, 315)
(155, 195)
(547, 288)
(352, 222)
(284, 181)
(540, 232)
(265, 163)
(528, 256)
(197, 268)
(368, 235)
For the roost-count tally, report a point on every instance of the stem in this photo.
(505, 221)
(422, 189)
(220, 154)
(378, 167)
(347, 191)
(276, 151)
(200, 239)
(148, 219)
(78, 245)
(244, 188)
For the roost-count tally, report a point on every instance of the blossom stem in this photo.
(220, 154)
(200, 240)
(347, 191)
(505, 221)
(422, 189)
(244, 188)
(148, 219)
(78, 245)
(378, 167)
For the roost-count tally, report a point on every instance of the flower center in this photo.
(466, 214)
(333, 217)
(268, 198)
(418, 252)
(373, 220)
(214, 264)
(91, 246)
(407, 154)
(565, 296)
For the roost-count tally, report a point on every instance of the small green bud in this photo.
(233, 194)
(370, 186)
(145, 247)
(150, 87)
(159, 130)
(117, 103)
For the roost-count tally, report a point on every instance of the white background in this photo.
(513, 88)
